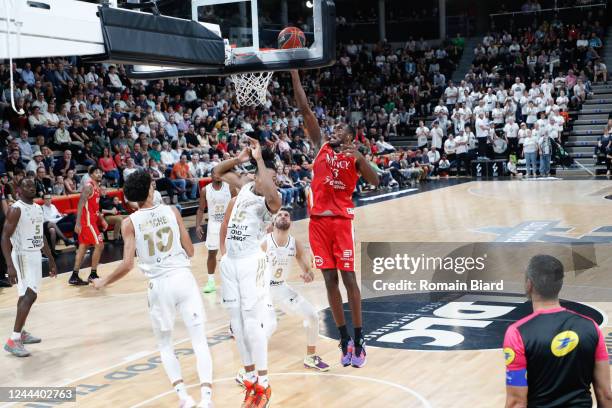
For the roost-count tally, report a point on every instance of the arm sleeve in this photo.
(514, 355)
(601, 352)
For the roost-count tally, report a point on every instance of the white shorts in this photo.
(285, 298)
(245, 281)
(29, 270)
(212, 239)
(175, 291)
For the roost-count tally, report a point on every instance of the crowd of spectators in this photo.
(516, 98)
(77, 115)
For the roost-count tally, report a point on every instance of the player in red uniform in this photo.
(336, 170)
(87, 226)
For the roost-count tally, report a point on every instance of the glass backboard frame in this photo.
(321, 53)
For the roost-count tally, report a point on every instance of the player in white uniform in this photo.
(22, 240)
(282, 249)
(159, 238)
(243, 271)
(215, 196)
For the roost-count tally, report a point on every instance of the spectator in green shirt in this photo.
(458, 41)
(155, 152)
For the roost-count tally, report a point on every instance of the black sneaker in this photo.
(76, 280)
(92, 276)
(4, 283)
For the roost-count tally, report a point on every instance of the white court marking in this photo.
(395, 193)
(133, 357)
(419, 397)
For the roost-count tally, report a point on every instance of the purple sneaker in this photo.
(316, 363)
(347, 355)
(359, 360)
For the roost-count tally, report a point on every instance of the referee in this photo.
(554, 355)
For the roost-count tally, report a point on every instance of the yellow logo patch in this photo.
(563, 343)
(509, 355)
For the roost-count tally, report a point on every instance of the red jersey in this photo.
(90, 211)
(334, 177)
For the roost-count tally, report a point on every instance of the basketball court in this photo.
(101, 342)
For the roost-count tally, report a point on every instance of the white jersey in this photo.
(217, 201)
(247, 224)
(279, 258)
(28, 235)
(158, 241)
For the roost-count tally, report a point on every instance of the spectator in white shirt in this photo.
(422, 133)
(511, 130)
(451, 93)
(436, 135)
(461, 151)
(530, 151)
(532, 114)
(579, 93)
(166, 155)
(56, 224)
(482, 134)
(129, 168)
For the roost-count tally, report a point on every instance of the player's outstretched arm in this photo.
(129, 251)
(12, 219)
(185, 238)
(200, 213)
(224, 170)
(87, 190)
(304, 260)
(224, 225)
(268, 186)
(310, 120)
(601, 384)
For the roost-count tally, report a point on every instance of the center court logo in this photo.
(447, 321)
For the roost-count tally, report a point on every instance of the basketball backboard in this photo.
(250, 29)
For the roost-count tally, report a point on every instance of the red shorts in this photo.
(332, 242)
(90, 234)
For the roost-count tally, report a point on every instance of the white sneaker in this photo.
(240, 377)
(187, 403)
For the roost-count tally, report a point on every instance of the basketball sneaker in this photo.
(359, 356)
(262, 396)
(93, 276)
(249, 395)
(76, 280)
(187, 403)
(240, 377)
(316, 363)
(27, 338)
(15, 347)
(347, 352)
(209, 287)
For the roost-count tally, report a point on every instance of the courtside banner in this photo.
(487, 268)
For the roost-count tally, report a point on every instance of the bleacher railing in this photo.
(568, 15)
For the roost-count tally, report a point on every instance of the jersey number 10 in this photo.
(156, 240)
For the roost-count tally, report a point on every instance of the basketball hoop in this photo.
(251, 87)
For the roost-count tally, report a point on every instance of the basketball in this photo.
(291, 37)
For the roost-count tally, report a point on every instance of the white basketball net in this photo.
(251, 87)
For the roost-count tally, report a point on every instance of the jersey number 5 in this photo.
(156, 240)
